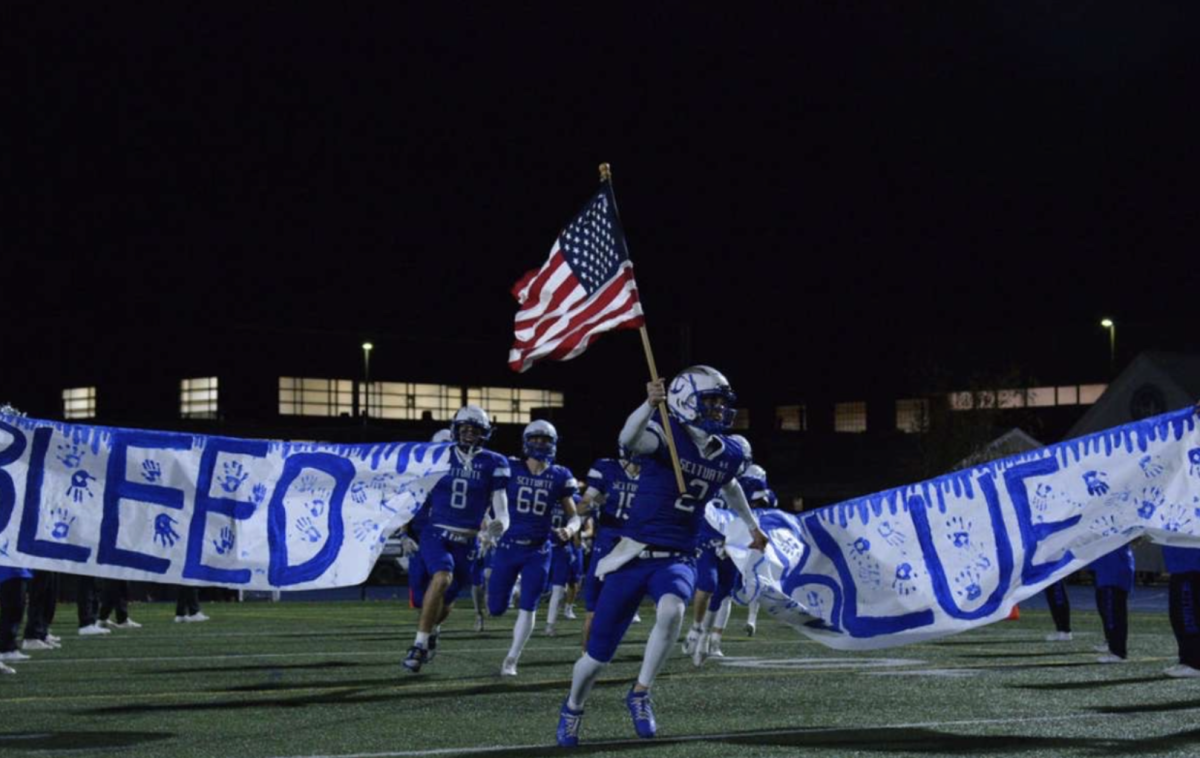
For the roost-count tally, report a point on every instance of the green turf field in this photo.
(305, 679)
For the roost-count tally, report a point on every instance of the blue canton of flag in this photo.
(592, 245)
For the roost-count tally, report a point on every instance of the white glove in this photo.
(495, 529)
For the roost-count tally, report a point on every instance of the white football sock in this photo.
(422, 640)
(522, 629)
(752, 617)
(556, 595)
(669, 621)
(723, 613)
(477, 599)
(583, 676)
(707, 623)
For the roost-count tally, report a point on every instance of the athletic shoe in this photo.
(714, 647)
(700, 654)
(570, 613)
(549, 630)
(1059, 637)
(751, 628)
(641, 709)
(36, 645)
(569, 722)
(126, 624)
(181, 619)
(689, 642)
(195, 618)
(637, 618)
(1110, 658)
(14, 655)
(1102, 648)
(6, 670)
(53, 639)
(509, 667)
(1182, 671)
(479, 622)
(417, 657)
(87, 631)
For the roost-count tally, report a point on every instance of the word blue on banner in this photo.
(956, 552)
(195, 509)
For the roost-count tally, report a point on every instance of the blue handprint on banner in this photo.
(1105, 526)
(1152, 498)
(365, 530)
(316, 506)
(1095, 481)
(1194, 460)
(307, 483)
(225, 545)
(79, 486)
(151, 471)
(61, 521)
(358, 492)
(233, 476)
(70, 454)
(1042, 495)
(259, 493)
(164, 530)
(1175, 518)
(891, 534)
(1151, 466)
(815, 603)
(905, 583)
(968, 585)
(960, 532)
(308, 531)
(861, 546)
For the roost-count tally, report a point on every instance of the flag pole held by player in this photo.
(606, 176)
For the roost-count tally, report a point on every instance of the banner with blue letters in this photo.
(957, 552)
(196, 509)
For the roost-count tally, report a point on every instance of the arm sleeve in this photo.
(634, 434)
(500, 507)
(736, 500)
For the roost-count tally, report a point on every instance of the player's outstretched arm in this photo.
(634, 435)
(732, 492)
(499, 523)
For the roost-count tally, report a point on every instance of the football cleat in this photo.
(417, 657)
(641, 709)
(570, 613)
(569, 722)
(689, 642)
(751, 628)
(479, 622)
(1059, 637)
(1182, 671)
(700, 654)
(509, 667)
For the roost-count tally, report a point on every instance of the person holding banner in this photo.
(1183, 605)
(536, 488)
(12, 610)
(476, 481)
(1114, 582)
(656, 553)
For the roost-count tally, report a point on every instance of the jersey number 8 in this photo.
(458, 493)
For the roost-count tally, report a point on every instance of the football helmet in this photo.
(700, 396)
(744, 444)
(539, 450)
(443, 435)
(472, 422)
(756, 474)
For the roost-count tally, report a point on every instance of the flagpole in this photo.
(606, 176)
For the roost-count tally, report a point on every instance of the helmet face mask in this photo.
(540, 441)
(471, 428)
(701, 397)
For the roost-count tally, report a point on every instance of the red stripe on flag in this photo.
(588, 323)
(541, 277)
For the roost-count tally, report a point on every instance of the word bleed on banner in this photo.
(956, 552)
(196, 509)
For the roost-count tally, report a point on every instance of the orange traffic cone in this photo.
(1014, 614)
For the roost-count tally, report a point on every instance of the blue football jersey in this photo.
(532, 500)
(609, 477)
(660, 516)
(462, 497)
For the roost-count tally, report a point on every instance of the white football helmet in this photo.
(540, 451)
(701, 397)
(443, 435)
(743, 443)
(471, 422)
(755, 473)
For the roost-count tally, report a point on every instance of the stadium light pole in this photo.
(367, 347)
(1112, 345)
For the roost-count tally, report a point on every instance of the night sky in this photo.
(831, 194)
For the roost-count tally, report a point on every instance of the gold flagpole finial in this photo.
(605, 172)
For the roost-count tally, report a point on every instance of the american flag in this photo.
(585, 288)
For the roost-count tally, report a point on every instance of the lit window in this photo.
(791, 418)
(198, 397)
(1039, 397)
(508, 405)
(912, 416)
(1090, 393)
(412, 401)
(79, 402)
(1010, 398)
(962, 401)
(1068, 395)
(315, 397)
(850, 417)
